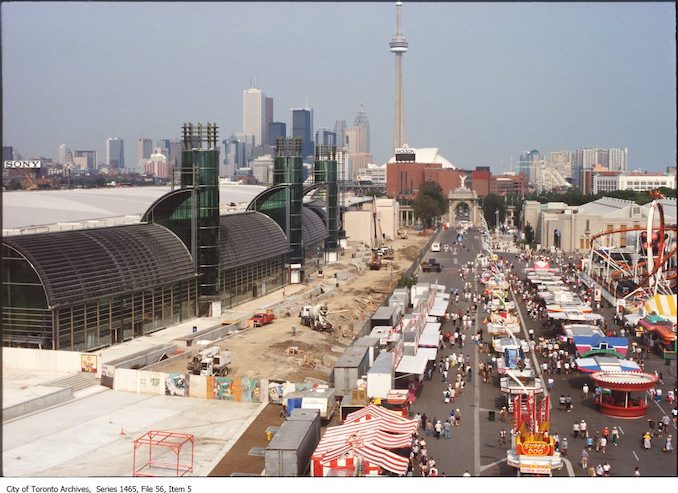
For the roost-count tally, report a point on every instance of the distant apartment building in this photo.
(561, 161)
(638, 182)
(144, 150)
(156, 165)
(65, 155)
(509, 183)
(584, 161)
(85, 160)
(262, 169)
(528, 164)
(115, 153)
(340, 131)
(174, 153)
(373, 173)
(484, 183)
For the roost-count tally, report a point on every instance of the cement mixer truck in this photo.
(315, 317)
(210, 361)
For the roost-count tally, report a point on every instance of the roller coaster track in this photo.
(652, 266)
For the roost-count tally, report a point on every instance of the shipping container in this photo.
(289, 451)
(385, 315)
(321, 399)
(372, 343)
(351, 366)
(380, 376)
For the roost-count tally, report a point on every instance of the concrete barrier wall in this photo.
(37, 404)
(186, 385)
(140, 382)
(37, 359)
(208, 335)
(197, 386)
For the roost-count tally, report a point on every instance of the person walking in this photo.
(583, 431)
(502, 437)
(575, 429)
(438, 429)
(584, 459)
(614, 435)
(429, 427)
(447, 429)
(636, 473)
(585, 390)
(603, 443)
(647, 440)
(668, 447)
(563, 447)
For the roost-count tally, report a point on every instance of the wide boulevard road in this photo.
(474, 447)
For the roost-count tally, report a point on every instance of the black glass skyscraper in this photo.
(302, 127)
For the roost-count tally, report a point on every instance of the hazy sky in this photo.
(483, 81)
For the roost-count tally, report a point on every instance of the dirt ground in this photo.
(273, 352)
(258, 355)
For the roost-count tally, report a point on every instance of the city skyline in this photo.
(483, 82)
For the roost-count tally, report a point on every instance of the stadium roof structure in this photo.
(248, 237)
(74, 266)
(429, 155)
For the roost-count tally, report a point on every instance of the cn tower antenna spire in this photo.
(398, 46)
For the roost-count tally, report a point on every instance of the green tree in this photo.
(430, 204)
(529, 234)
(491, 204)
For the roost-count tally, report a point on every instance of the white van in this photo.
(435, 247)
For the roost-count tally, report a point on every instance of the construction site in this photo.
(117, 421)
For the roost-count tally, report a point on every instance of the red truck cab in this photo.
(261, 318)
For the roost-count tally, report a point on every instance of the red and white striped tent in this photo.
(363, 444)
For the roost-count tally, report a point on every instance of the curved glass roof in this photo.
(75, 266)
(248, 237)
(313, 227)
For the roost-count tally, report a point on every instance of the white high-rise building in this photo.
(618, 159)
(582, 160)
(65, 154)
(254, 114)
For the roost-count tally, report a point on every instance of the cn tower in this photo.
(399, 46)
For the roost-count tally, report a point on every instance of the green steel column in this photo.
(325, 171)
(200, 170)
(288, 169)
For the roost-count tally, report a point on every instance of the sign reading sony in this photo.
(23, 164)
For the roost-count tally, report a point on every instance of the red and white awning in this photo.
(369, 433)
